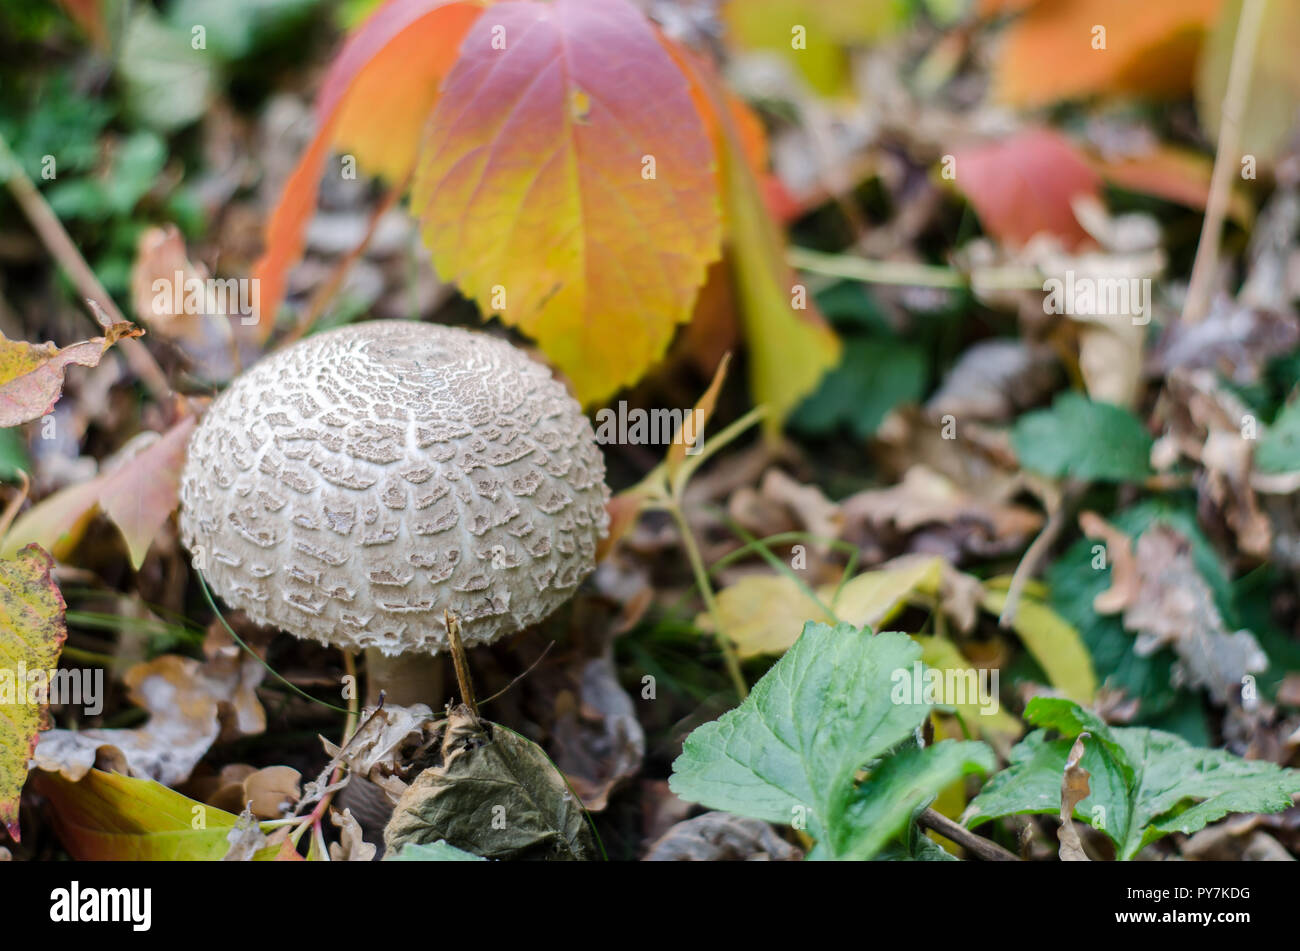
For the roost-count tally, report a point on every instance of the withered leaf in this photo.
(1175, 607)
(722, 837)
(1074, 789)
(495, 794)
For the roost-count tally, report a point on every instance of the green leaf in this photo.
(1080, 439)
(903, 784)
(818, 716)
(1279, 448)
(167, 82)
(1145, 783)
(111, 817)
(13, 455)
(438, 851)
(876, 374)
(838, 702)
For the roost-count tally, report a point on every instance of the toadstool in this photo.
(357, 485)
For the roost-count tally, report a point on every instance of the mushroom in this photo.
(357, 486)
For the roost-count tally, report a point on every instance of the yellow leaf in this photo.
(1054, 643)
(943, 655)
(875, 597)
(32, 632)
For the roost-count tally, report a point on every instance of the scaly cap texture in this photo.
(354, 486)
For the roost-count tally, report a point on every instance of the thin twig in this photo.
(975, 844)
(1034, 554)
(55, 237)
(1206, 264)
(461, 662)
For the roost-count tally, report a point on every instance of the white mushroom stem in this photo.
(405, 679)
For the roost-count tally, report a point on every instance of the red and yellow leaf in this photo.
(1048, 52)
(1024, 185)
(789, 350)
(375, 100)
(535, 193)
(31, 375)
(32, 632)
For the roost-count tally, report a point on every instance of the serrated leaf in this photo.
(904, 783)
(875, 375)
(111, 817)
(532, 185)
(32, 632)
(818, 716)
(1081, 439)
(1146, 782)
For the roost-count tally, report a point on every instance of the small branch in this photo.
(976, 845)
(55, 237)
(461, 662)
(1034, 554)
(911, 274)
(1226, 157)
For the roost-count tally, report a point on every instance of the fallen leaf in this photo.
(1125, 585)
(138, 489)
(110, 817)
(1054, 643)
(1025, 184)
(1048, 53)
(185, 700)
(32, 632)
(1176, 608)
(494, 794)
(722, 837)
(994, 380)
(245, 839)
(1074, 789)
(31, 375)
(598, 740)
(352, 847)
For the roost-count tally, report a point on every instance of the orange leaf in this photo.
(1025, 184)
(375, 99)
(567, 183)
(1050, 53)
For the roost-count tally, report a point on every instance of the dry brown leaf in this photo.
(1124, 581)
(31, 375)
(186, 701)
(1175, 607)
(722, 837)
(994, 380)
(1074, 789)
(246, 839)
(351, 847)
(598, 740)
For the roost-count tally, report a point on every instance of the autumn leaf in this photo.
(1025, 184)
(111, 817)
(32, 632)
(31, 374)
(138, 492)
(566, 183)
(1055, 50)
(374, 101)
(790, 349)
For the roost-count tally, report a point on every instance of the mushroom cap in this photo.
(354, 486)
